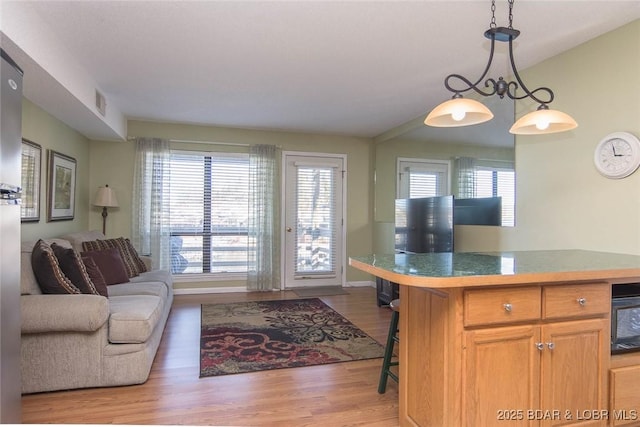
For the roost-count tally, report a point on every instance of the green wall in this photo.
(42, 128)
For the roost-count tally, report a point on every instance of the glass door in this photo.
(313, 233)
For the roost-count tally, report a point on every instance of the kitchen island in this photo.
(510, 338)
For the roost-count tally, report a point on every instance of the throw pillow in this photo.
(96, 276)
(48, 273)
(109, 261)
(140, 265)
(72, 266)
(132, 261)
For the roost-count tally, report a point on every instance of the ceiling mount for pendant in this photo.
(460, 111)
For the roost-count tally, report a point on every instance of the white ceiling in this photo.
(355, 68)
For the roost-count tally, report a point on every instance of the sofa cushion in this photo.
(110, 264)
(163, 276)
(133, 317)
(132, 261)
(157, 289)
(72, 266)
(50, 277)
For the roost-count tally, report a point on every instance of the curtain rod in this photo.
(239, 144)
(189, 141)
(487, 160)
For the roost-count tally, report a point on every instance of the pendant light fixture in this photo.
(460, 111)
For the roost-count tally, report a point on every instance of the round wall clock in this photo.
(617, 155)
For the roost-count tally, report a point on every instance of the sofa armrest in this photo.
(148, 262)
(63, 313)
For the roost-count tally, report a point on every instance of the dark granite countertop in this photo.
(443, 270)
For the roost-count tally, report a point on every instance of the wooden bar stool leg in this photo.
(392, 338)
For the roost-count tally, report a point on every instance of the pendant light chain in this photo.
(493, 14)
(510, 14)
(493, 24)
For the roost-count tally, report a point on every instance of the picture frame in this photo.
(62, 187)
(30, 182)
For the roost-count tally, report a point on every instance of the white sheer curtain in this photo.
(151, 197)
(264, 216)
(466, 177)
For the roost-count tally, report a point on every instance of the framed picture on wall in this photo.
(62, 187)
(31, 166)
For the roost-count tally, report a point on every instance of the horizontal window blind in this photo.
(423, 184)
(315, 209)
(209, 212)
(422, 178)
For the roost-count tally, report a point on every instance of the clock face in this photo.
(617, 155)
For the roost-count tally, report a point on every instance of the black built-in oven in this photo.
(625, 318)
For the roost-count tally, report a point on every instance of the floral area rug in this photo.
(262, 335)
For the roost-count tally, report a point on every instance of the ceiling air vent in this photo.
(101, 103)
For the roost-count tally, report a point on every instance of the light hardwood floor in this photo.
(341, 394)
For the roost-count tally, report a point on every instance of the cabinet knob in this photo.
(507, 307)
(582, 301)
(540, 346)
(551, 345)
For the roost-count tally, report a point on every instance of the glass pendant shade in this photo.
(458, 112)
(543, 121)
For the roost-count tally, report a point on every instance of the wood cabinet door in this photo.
(501, 376)
(625, 396)
(574, 362)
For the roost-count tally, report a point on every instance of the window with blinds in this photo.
(430, 178)
(209, 212)
(422, 178)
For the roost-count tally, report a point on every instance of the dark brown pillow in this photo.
(72, 266)
(48, 273)
(132, 261)
(96, 276)
(109, 261)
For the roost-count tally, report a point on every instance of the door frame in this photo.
(342, 234)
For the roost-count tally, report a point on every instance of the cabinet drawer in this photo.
(575, 300)
(493, 306)
(625, 399)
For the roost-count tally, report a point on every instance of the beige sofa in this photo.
(78, 341)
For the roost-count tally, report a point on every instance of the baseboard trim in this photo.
(360, 284)
(195, 291)
(232, 289)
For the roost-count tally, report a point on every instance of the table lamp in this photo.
(105, 198)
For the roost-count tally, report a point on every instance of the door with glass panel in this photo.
(313, 221)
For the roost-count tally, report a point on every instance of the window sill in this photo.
(208, 277)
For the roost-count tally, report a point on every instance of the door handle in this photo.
(289, 229)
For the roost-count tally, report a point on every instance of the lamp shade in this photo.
(458, 112)
(543, 121)
(105, 197)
